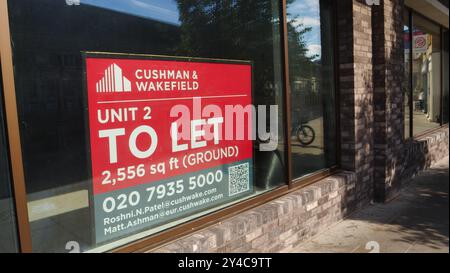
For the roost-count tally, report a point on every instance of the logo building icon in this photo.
(113, 81)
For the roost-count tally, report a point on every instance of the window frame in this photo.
(155, 240)
(7, 169)
(410, 79)
(12, 128)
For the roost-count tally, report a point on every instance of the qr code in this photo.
(239, 179)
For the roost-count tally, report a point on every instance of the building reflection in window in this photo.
(311, 68)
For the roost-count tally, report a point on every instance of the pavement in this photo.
(417, 221)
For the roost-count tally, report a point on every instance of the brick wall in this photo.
(278, 226)
(396, 160)
(388, 96)
(356, 94)
(419, 154)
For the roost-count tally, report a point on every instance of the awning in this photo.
(432, 9)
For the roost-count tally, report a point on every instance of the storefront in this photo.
(93, 157)
(426, 85)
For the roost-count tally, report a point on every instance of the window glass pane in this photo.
(407, 77)
(445, 74)
(49, 83)
(311, 68)
(8, 241)
(426, 75)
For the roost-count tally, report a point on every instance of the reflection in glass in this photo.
(426, 75)
(49, 86)
(310, 32)
(8, 240)
(159, 10)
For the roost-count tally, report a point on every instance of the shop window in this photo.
(426, 74)
(51, 96)
(311, 68)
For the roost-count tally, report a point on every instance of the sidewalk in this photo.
(417, 221)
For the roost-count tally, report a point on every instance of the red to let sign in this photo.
(157, 140)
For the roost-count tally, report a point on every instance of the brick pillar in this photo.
(356, 95)
(388, 97)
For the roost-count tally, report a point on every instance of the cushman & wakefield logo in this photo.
(113, 81)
